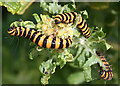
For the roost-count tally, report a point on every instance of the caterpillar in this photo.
(39, 38)
(70, 18)
(105, 74)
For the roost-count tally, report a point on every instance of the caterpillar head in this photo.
(102, 72)
(57, 21)
(12, 30)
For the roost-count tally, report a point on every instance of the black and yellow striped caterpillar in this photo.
(105, 74)
(40, 39)
(70, 18)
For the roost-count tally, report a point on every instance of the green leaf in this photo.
(12, 7)
(54, 8)
(94, 59)
(84, 14)
(29, 24)
(44, 19)
(37, 18)
(79, 51)
(108, 46)
(74, 6)
(24, 5)
(60, 60)
(81, 59)
(44, 79)
(101, 44)
(47, 67)
(16, 7)
(97, 35)
(51, 8)
(64, 57)
(87, 74)
(44, 5)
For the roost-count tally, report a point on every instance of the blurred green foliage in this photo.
(18, 68)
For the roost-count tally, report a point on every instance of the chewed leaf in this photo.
(44, 79)
(48, 67)
(101, 44)
(97, 34)
(87, 66)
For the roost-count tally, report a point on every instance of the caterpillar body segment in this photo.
(39, 38)
(105, 74)
(70, 18)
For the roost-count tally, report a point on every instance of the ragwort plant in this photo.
(85, 55)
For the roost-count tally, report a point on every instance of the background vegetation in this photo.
(19, 69)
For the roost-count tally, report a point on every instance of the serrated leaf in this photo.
(102, 44)
(43, 5)
(52, 7)
(12, 7)
(17, 7)
(98, 34)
